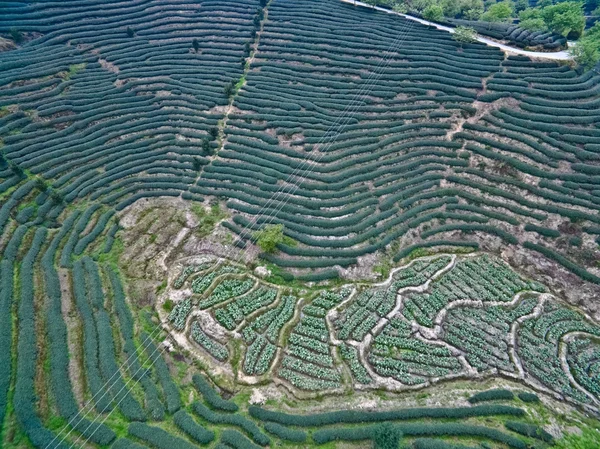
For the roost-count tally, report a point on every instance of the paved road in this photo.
(555, 55)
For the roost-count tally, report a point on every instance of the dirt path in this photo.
(562, 55)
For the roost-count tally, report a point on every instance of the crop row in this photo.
(262, 333)
(396, 353)
(213, 347)
(180, 312)
(538, 343)
(187, 271)
(481, 278)
(583, 357)
(232, 314)
(483, 333)
(307, 362)
(201, 283)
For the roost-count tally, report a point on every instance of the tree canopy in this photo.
(464, 35)
(269, 237)
(565, 18)
(499, 12)
(435, 13)
(587, 50)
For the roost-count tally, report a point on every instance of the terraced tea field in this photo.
(435, 284)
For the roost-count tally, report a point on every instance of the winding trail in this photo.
(562, 55)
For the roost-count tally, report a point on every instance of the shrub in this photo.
(211, 397)
(386, 436)
(194, 430)
(157, 437)
(562, 260)
(126, 327)
(125, 443)
(6, 328)
(546, 232)
(236, 440)
(322, 436)
(232, 419)
(102, 398)
(528, 397)
(162, 371)
(356, 416)
(492, 395)
(98, 228)
(24, 399)
(430, 443)
(529, 430)
(285, 433)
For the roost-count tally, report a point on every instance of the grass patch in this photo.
(113, 256)
(168, 306)
(589, 439)
(208, 218)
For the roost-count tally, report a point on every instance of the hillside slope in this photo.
(377, 132)
(368, 137)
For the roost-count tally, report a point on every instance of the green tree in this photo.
(196, 164)
(400, 7)
(269, 237)
(594, 32)
(196, 45)
(130, 32)
(206, 146)
(586, 53)
(16, 169)
(467, 9)
(473, 13)
(420, 5)
(531, 19)
(521, 5)
(57, 197)
(16, 35)
(450, 8)
(565, 18)
(587, 50)
(229, 88)
(433, 13)
(464, 35)
(499, 12)
(41, 185)
(533, 24)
